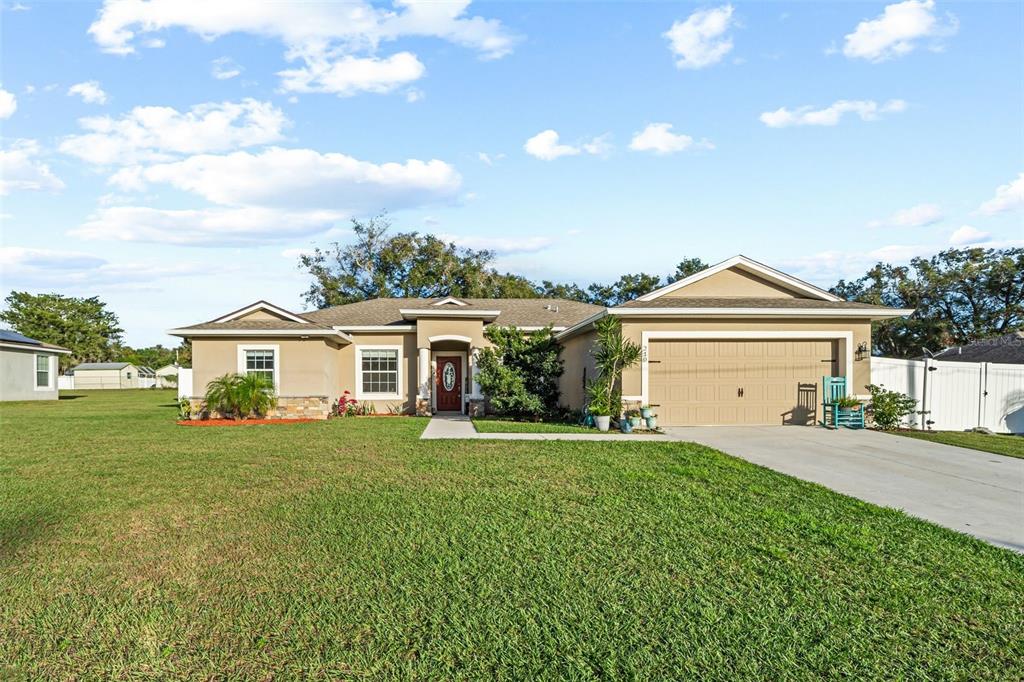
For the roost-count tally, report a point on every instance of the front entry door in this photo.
(449, 384)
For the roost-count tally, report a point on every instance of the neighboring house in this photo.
(167, 376)
(738, 343)
(105, 375)
(1005, 349)
(28, 368)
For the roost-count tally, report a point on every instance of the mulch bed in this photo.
(243, 422)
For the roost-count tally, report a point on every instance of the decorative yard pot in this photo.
(635, 422)
(626, 426)
(603, 422)
(652, 422)
(645, 412)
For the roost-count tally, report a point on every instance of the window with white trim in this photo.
(378, 372)
(42, 371)
(261, 362)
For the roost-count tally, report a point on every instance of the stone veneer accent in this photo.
(423, 407)
(288, 407)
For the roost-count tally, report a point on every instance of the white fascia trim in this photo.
(403, 328)
(450, 299)
(242, 347)
(50, 370)
(647, 336)
(260, 332)
(35, 349)
(449, 337)
(419, 312)
(748, 264)
(360, 395)
(262, 305)
(762, 312)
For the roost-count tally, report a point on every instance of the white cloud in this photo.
(867, 110)
(701, 40)
(659, 138)
(828, 267)
(915, 216)
(348, 75)
(294, 254)
(897, 31)
(20, 169)
(247, 226)
(89, 91)
(414, 95)
(302, 178)
(967, 235)
(545, 146)
(8, 104)
(1008, 197)
(43, 268)
(500, 245)
(224, 68)
(489, 159)
(159, 133)
(325, 36)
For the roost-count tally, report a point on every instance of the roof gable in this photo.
(741, 276)
(261, 310)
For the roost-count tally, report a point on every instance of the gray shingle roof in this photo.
(1006, 349)
(253, 324)
(520, 312)
(749, 302)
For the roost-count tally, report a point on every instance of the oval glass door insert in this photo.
(448, 376)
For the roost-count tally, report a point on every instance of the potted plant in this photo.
(626, 425)
(634, 418)
(652, 421)
(848, 402)
(645, 411)
(599, 405)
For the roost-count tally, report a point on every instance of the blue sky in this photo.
(174, 157)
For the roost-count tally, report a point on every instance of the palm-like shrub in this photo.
(237, 396)
(613, 353)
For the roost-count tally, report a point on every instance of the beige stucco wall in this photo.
(346, 377)
(579, 365)
(732, 282)
(305, 364)
(18, 375)
(861, 329)
(474, 329)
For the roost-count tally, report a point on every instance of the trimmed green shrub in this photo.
(519, 373)
(888, 408)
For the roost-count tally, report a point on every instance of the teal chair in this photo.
(833, 416)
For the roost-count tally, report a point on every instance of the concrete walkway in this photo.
(459, 426)
(966, 490)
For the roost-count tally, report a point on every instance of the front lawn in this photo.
(999, 444)
(134, 548)
(494, 425)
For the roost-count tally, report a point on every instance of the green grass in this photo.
(134, 548)
(490, 425)
(999, 444)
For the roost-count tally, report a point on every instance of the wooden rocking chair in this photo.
(834, 416)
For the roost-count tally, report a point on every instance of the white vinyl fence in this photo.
(66, 382)
(957, 395)
(184, 383)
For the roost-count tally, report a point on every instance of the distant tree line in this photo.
(85, 327)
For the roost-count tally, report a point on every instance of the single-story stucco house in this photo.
(106, 375)
(28, 368)
(738, 343)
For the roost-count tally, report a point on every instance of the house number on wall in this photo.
(448, 376)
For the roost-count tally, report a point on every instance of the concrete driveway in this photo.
(966, 490)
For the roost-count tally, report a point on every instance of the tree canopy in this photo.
(959, 296)
(82, 325)
(377, 264)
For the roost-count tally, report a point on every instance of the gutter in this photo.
(301, 333)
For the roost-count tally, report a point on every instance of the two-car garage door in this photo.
(738, 382)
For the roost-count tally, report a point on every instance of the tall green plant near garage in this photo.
(613, 354)
(239, 396)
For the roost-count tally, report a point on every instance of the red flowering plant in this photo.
(345, 407)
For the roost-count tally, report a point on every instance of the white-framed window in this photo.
(378, 372)
(44, 372)
(262, 359)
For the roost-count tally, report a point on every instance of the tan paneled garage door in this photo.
(738, 382)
